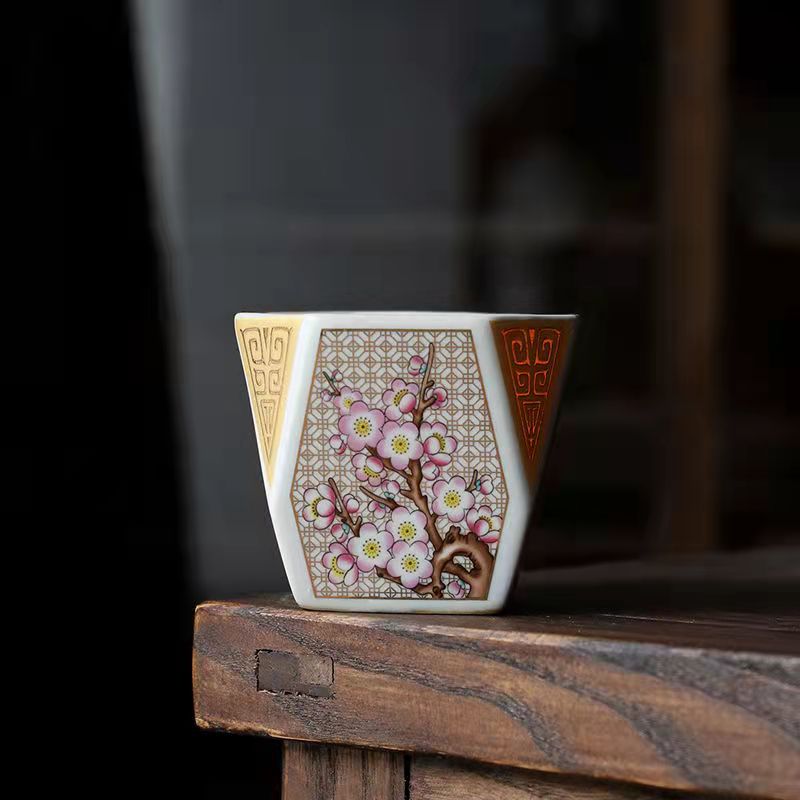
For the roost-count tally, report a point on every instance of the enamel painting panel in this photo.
(398, 489)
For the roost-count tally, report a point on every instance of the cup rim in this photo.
(400, 313)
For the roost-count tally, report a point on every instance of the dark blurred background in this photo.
(635, 162)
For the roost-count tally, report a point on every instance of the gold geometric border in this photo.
(267, 347)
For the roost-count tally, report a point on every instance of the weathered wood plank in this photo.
(588, 695)
(448, 779)
(322, 772)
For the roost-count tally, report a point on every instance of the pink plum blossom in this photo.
(400, 398)
(452, 498)
(455, 590)
(441, 398)
(341, 531)
(320, 506)
(415, 365)
(400, 444)
(337, 376)
(338, 443)
(345, 399)
(378, 510)
(340, 564)
(390, 489)
(430, 470)
(362, 426)
(408, 526)
(410, 563)
(371, 548)
(484, 484)
(436, 443)
(368, 468)
(326, 395)
(351, 503)
(484, 524)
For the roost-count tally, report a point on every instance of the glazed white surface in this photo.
(520, 495)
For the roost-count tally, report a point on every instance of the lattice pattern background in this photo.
(369, 360)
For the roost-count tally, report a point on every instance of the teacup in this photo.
(401, 451)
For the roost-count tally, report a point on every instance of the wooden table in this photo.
(628, 681)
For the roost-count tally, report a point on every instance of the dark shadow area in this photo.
(762, 583)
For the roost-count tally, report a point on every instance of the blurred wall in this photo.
(306, 155)
(506, 156)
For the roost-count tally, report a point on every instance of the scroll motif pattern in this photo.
(266, 350)
(531, 355)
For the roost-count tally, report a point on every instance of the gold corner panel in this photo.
(267, 346)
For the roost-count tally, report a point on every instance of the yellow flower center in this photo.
(314, 504)
(372, 548)
(347, 402)
(401, 444)
(439, 438)
(452, 499)
(335, 568)
(487, 520)
(399, 396)
(362, 426)
(409, 563)
(371, 472)
(406, 531)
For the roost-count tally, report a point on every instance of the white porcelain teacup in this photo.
(401, 451)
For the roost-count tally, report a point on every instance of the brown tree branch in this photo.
(336, 390)
(424, 385)
(414, 479)
(417, 496)
(427, 379)
(419, 413)
(385, 501)
(342, 512)
(469, 545)
(451, 568)
(473, 484)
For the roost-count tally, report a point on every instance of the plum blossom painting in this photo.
(398, 490)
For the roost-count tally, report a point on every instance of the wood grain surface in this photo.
(705, 701)
(435, 778)
(320, 772)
